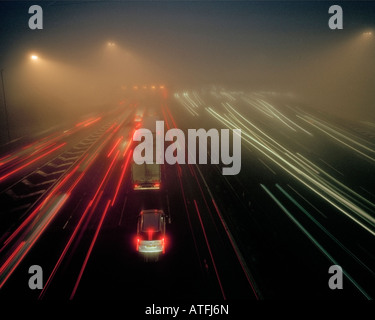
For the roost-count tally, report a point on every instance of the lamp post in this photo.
(5, 105)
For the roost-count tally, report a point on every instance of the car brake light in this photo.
(163, 244)
(150, 233)
(138, 241)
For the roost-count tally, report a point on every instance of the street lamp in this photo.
(34, 57)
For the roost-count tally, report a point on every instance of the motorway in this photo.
(303, 201)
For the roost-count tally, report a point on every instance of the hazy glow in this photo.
(118, 48)
(337, 194)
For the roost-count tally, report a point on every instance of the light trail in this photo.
(318, 126)
(31, 162)
(179, 175)
(259, 108)
(29, 150)
(189, 105)
(300, 207)
(315, 208)
(66, 248)
(267, 166)
(91, 122)
(313, 240)
(90, 249)
(40, 218)
(325, 162)
(228, 233)
(21, 157)
(114, 146)
(45, 218)
(302, 167)
(297, 167)
(237, 251)
(81, 167)
(209, 250)
(121, 179)
(90, 208)
(36, 211)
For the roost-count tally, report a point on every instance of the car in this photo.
(138, 115)
(151, 228)
(137, 118)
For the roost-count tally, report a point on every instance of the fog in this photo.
(45, 92)
(90, 53)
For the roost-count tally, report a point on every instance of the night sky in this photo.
(214, 38)
(260, 45)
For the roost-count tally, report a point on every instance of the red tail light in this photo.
(138, 240)
(156, 185)
(150, 233)
(163, 244)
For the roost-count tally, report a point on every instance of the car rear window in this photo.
(151, 221)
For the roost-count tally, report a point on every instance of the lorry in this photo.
(146, 176)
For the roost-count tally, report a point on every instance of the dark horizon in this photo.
(282, 46)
